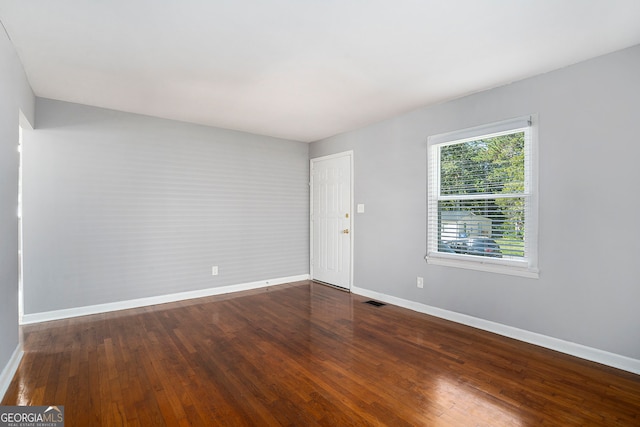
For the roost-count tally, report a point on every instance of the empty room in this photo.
(314, 212)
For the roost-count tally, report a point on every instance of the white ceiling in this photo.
(300, 69)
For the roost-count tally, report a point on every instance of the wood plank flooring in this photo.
(305, 354)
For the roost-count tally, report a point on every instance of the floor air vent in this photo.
(375, 303)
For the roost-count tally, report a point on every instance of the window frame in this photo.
(528, 266)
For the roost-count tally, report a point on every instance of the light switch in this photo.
(360, 208)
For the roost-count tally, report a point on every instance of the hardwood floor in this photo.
(305, 354)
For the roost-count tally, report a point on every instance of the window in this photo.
(482, 201)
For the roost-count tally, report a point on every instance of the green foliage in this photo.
(487, 166)
(511, 247)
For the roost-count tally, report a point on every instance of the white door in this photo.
(331, 233)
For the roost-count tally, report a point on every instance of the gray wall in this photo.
(589, 244)
(15, 95)
(119, 206)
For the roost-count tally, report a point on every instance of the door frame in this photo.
(348, 154)
(23, 125)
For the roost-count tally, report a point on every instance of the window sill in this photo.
(492, 266)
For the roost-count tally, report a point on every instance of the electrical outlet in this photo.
(420, 282)
(214, 270)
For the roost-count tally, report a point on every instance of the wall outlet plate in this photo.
(214, 270)
(420, 282)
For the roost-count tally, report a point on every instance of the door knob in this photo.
(345, 231)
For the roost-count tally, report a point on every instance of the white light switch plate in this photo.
(360, 208)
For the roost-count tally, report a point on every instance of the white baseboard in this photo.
(10, 370)
(589, 353)
(160, 299)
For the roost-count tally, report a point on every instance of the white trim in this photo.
(351, 209)
(10, 370)
(484, 265)
(578, 350)
(160, 299)
(489, 129)
(20, 216)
